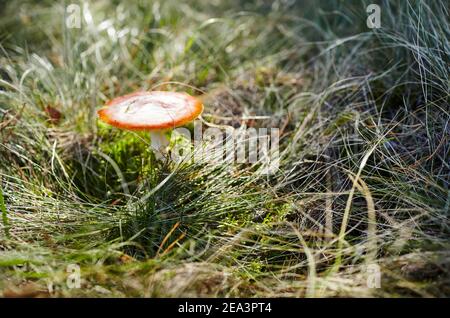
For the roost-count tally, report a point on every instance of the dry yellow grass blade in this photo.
(166, 238)
(342, 232)
(371, 220)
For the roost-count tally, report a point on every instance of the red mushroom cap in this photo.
(155, 110)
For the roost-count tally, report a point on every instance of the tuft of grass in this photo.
(4, 213)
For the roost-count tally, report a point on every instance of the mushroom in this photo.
(156, 112)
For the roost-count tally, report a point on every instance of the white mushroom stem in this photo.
(159, 143)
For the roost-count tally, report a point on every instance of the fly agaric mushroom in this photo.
(156, 112)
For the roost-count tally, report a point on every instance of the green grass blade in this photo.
(4, 213)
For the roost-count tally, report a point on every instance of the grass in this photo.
(364, 171)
